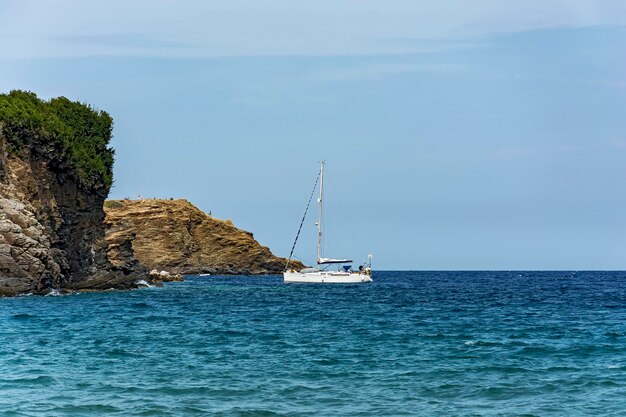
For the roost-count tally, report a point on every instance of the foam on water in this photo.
(411, 343)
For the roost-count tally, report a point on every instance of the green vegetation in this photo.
(113, 204)
(73, 135)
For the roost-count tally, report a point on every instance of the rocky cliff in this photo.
(55, 173)
(175, 236)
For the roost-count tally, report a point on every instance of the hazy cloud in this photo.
(277, 27)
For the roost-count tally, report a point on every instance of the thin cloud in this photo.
(66, 28)
(128, 40)
(378, 71)
(618, 143)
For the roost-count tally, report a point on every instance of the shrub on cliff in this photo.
(71, 134)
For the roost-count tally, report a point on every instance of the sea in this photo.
(409, 344)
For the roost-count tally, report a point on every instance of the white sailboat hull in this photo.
(326, 277)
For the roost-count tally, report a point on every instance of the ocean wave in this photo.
(85, 409)
(481, 343)
(23, 316)
(37, 380)
(240, 411)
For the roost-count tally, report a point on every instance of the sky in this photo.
(457, 135)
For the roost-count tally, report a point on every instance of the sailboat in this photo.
(323, 274)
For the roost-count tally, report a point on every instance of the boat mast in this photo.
(319, 220)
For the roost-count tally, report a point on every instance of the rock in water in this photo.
(175, 236)
(55, 173)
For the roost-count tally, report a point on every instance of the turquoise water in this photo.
(411, 343)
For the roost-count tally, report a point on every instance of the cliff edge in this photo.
(55, 173)
(175, 236)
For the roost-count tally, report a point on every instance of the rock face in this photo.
(52, 235)
(175, 236)
(51, 216)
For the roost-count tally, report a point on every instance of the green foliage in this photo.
(71, 134)
(113, 204)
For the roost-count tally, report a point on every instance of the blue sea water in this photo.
(411, 343)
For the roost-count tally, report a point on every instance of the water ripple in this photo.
(411, 343)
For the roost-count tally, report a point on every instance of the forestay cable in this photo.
(302, 222)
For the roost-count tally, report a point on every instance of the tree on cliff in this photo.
(73, 134)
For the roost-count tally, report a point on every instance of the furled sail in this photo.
(323, 261)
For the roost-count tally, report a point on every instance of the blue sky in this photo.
(457, 136)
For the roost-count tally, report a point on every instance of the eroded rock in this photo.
(177, 237)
